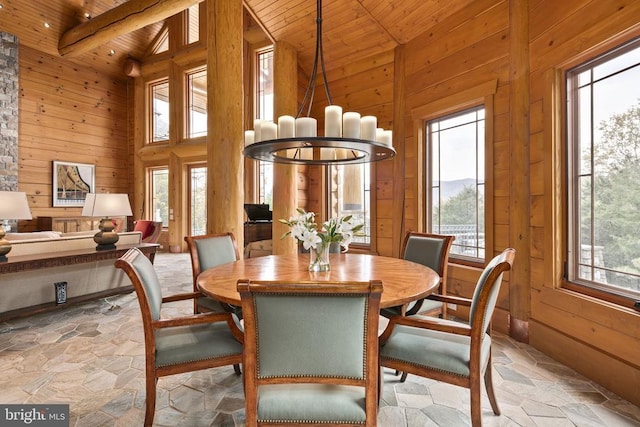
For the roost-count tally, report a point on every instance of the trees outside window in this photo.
(603, 98)
(159, 195)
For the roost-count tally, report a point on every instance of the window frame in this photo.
(186, 74)
(151, 191)
(149, 139)
(567, 84)
(481, 94)
(259, 166)
(428, 176)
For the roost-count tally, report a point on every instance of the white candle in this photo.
(286, 127)
(269, 130)
(248, 137)
(306, 127)
(379, 133)
(333, 121)
(368, 128)
(386, 137)
(257, 131)
(351, 125)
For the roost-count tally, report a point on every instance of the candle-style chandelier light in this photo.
(348, 138)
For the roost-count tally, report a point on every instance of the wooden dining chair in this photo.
(179, 344)
(311, 352)
(431, 250)
(450, 351)
(208, 251)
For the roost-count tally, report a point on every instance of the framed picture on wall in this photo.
(72, 182)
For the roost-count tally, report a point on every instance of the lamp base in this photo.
(106, 238)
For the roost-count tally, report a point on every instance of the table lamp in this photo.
(106, 205)
(13, 205)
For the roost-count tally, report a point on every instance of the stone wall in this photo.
(8, 112)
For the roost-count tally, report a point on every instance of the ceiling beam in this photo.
(118, 21)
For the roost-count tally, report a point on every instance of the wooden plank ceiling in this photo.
(352, 29)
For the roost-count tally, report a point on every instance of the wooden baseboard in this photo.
(50, 306)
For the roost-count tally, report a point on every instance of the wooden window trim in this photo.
(481, 94)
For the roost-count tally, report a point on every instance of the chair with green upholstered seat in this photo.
(449, 351)
(431, 250)
(311, 352)
(177, 345)
(208, 251)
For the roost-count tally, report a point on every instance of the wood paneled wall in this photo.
(441, 66)
(565, 324)
(474, 46)
(70, 113)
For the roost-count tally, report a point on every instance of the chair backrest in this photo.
(485, 295)
(150, 230)
(210, 250)
(313, 332)
(431, 250)
(145, 281)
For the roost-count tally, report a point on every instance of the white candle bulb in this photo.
(333, 121)
(248, 137)
(286, 127)
(257, 123)
(368, 128)
(269, 130)
(306, 127)
(351, 125)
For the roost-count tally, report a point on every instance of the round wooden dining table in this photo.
(403, 281)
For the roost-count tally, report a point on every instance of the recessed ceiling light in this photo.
(47, 25)
(112, 52)
(1, 5)
(87, 15)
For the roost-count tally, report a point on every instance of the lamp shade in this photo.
(14, 205)
(106, 205)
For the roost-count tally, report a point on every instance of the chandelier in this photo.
(348, 137)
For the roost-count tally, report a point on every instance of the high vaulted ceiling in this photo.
(352, 29)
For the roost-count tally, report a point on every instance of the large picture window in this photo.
(603, 112)
(455, 175)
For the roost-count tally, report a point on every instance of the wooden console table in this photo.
(22, 263)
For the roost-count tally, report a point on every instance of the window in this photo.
(159, 195)
(264, 111)
(159, 92)
(455, 184)
(603, 147)
(197, 103)
(193, 23)
(351, 195)
(198, 200)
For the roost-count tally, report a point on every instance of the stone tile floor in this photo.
(91, 356)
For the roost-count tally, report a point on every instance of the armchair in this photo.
(206, 252)
(448, 351)
(311, 352)
(177, 345)
(431, 250)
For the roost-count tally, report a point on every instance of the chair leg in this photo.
(236, 368)
(403, 378)
(151, 382)
(488, 382)
(476, 404)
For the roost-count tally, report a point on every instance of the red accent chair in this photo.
(150, 230)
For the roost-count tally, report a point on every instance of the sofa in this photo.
(31, 289)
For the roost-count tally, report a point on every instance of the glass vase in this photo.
(319, 258)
